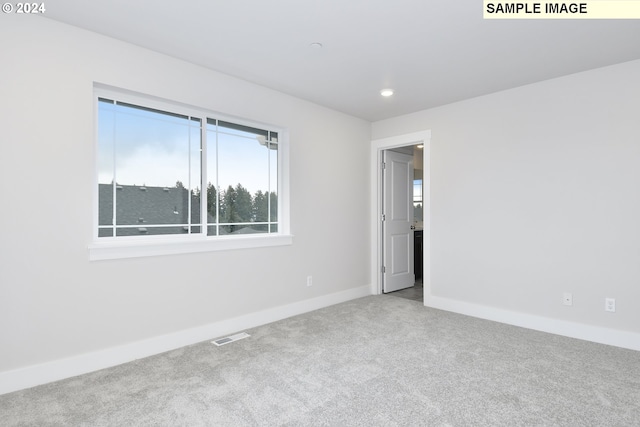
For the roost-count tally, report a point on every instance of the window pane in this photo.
(152, 149)
(151, 205)
(150, 231)
(273, 182)
(212, 176)
(105, 232)
(241, 130)
(106, 147)
(212, 230)
(244, 163)
(242, 229)
(417, 200)
(195, 166)
(417, 190)
(149, 162)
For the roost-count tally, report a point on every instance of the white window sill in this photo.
(134, 248)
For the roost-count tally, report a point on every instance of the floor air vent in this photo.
(232, 338)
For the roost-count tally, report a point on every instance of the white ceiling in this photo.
(432, 52)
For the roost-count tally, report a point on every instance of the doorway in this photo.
(379, 147)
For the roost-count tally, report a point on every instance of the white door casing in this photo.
(397, 221)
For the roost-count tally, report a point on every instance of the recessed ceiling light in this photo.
(420, 146)
(386, 92)
(316, 45)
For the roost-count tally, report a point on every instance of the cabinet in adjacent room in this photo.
(417, 254)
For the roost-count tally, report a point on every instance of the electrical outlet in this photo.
(309, 280)
(610, 304)
(567, 298)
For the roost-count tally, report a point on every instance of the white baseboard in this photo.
(34, 375)
(614, 337)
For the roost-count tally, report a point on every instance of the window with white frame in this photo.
(417, 200)
(168, 170)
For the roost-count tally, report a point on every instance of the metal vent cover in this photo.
(230, 339)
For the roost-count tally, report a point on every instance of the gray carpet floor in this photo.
(375, 361)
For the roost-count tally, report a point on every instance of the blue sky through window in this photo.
(140, 146)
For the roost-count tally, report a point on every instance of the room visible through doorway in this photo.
(402, 224)
(418, 196)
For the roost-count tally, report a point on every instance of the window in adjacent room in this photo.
(417, 199)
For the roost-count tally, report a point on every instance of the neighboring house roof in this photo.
(143, 205)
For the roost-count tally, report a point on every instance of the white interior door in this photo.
(397, 221)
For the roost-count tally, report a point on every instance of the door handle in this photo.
(413, 227)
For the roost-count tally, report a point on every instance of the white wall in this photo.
(536, 191)
(56, 304)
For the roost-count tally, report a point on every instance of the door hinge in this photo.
(384, 165)
(384, 269)
(384, 217)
